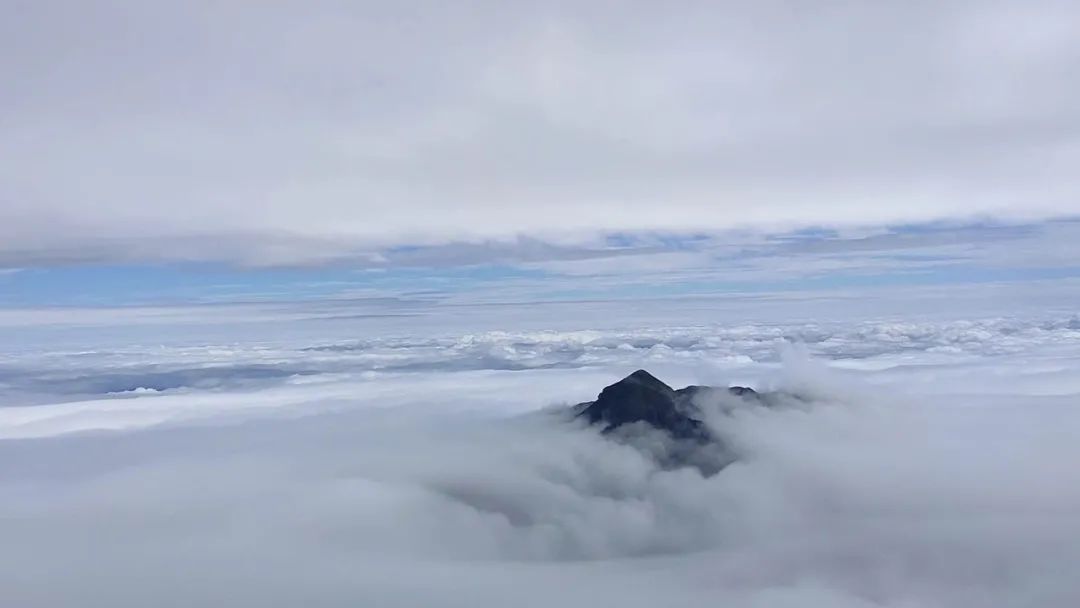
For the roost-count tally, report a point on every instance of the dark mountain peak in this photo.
(641, 397)
(640, 386)
(646, 379)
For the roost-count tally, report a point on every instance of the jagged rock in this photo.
(641, 397)
(639, 409)
(741, 391)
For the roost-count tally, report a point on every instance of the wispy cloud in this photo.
(648, 264)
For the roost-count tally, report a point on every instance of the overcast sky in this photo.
(312, 131)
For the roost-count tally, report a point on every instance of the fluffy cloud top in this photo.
(933, 467)
(295, 128)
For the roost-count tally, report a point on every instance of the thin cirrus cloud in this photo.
(310, 133)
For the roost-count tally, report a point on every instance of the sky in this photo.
(625, 267)
(208, 150)
(297, 299)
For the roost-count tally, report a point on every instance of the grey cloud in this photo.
(368, 125)
(405, 498)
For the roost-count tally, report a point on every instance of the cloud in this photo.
(310, 135)
(295, 452)
(444, 489)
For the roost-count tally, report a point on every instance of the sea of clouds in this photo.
(932, 463)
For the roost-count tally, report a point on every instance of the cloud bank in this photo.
(311, 133)
(830, 505)
(933, 466)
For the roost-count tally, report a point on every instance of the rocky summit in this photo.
(642, 398)
(635, 408)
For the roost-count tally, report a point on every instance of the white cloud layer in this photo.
(213, 464)
(307, 132)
